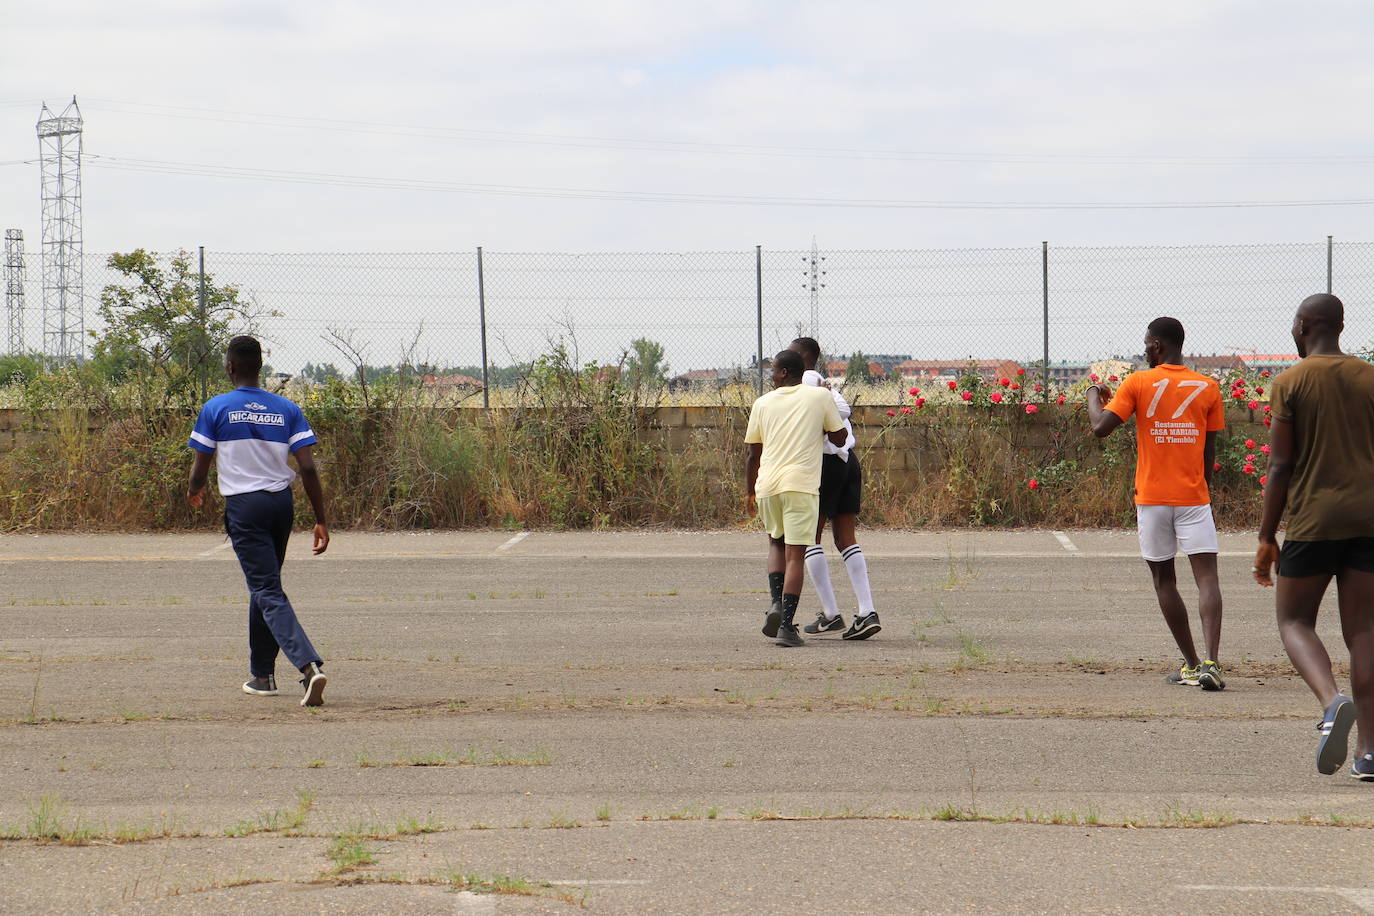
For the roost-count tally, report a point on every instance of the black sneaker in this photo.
(863, 627)
(1362, 768)
(313, 682)
(788, 636)
(825, 624)
(1335, 728)
(261, 686)
(772, 619)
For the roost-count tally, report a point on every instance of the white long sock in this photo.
(857, 566)
(818, 569)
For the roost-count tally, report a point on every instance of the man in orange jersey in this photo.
(1178, 415)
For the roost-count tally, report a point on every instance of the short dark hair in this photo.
(809, 346)
(791, 361)
(246, 353)
(1169, 330)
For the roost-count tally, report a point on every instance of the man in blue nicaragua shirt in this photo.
(249, 433)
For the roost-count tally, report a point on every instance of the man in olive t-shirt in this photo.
(1321, 469)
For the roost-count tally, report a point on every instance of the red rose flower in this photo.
(1004, 382)
(1020, 371)
(1249, 459)
(1254, 405)
(953, 385)
(1037, 387)
(920, 402)
(1249, 443)
(1216, 465)
(1060, 400)
(1248, 469)
(1264, 479)
(906, 410)
(1265, 449)
(1113, 378)
(1031, 408)
(995, 397)
(1264, 374)
(892, 413)
(966, 395)
(1259, 391)
(1267, 421)
(913, 391)
(1015, 387)
(1238, 394)
(1093, 378)
(1033, 484)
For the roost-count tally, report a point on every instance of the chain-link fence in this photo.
(912, 313)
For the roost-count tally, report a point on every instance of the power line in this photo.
(633, 144)
(244, 173)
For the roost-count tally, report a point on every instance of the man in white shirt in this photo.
(841, 487)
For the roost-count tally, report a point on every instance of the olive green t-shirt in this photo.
(1330, 402)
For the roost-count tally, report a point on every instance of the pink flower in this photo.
(1037, 387)
(920, 402)
(1249, 459)
(953, 385)
(1060, 400)
(1216, 465)
(995, 397)
(1265, 449)
(1031, 408)
(906, 410)
(913, 391)
(1249, 443)
(1254, 405)
(1004, 382)
(1093, 378)
(1033, 484)
(1113, 378)
(1248, 469)
(1264, 479)
(892, 413)
(1266, 408)
(966, 395)
(1020, 371)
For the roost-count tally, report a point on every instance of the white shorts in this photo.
(1164, 530)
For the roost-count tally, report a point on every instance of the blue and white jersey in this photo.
(251, 432)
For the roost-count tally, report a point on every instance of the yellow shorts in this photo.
(791, 516)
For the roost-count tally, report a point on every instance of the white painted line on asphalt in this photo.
(1362, 897)
(1064, 542)
(214, 550)
(513, 541)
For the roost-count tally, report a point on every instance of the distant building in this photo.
(837, 368)
(450, 382)
(1215, 365)
(1273, 363)
(990, 370)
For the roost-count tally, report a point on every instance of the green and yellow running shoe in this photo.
(1209, 676)
(1185, 676)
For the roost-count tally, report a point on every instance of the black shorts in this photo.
(1326, 558)
(841, 482)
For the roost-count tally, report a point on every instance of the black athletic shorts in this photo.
(841, 482)
(1326, 558)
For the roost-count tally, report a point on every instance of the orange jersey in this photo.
(1174, 410)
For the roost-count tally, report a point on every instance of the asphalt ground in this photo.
(551, 722)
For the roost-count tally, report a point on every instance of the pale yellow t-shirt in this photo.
(791, 422)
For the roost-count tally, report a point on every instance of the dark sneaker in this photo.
(261, 687)
(825, 624)
(789, 637)
(1336, 724)
(313, 682)
(1362, 768)
(863, 627)
(1209, 676)
(772, 619)
(1184, 677)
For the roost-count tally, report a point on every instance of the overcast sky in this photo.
(520, 126)
(516, 94)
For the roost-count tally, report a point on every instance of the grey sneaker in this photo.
(824, 624)
(313, 682)
(1362, 768)
(789, 637)
(1335, 727)
(1183, 677)
(261, 686)
(863, 627)
(772, 619)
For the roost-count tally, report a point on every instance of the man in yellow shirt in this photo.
(783, 481)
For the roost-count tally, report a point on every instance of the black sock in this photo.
(789, 608)
(775, 586)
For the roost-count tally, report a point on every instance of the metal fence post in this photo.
(203, 356)
(482, 317)
(1045, 318)
(1328, 263)
(758, 292)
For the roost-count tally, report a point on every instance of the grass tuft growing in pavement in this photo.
(282, 820)
(350, 852)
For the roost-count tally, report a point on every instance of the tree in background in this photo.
(155, 331)
(644, 365)
(857, 371)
